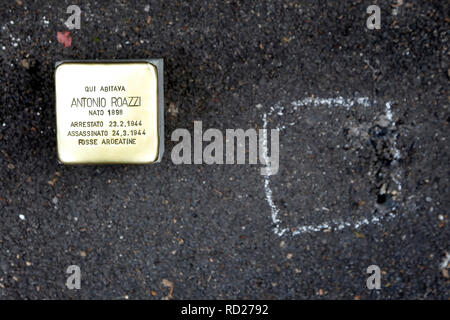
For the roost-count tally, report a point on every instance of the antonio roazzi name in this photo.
(101, 102)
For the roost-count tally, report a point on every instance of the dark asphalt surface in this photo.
(205, 232)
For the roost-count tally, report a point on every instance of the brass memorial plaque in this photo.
(109, 112)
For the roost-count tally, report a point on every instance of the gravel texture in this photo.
(369, 184)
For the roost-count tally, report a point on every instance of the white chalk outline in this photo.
(333, 224)
(445, 262)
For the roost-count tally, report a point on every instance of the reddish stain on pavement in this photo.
(64, 38)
